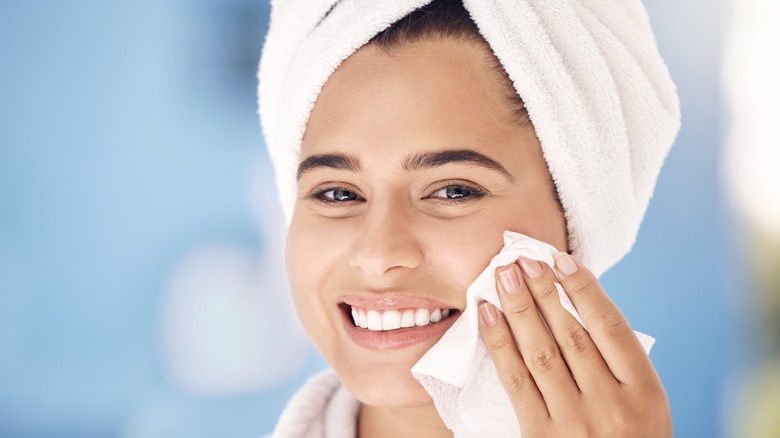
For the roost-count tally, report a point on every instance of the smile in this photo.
(395, 322)
(385, 320)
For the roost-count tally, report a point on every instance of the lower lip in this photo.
(396, 339)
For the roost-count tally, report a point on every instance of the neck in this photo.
(382, 422)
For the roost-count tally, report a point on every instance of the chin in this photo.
(386, 387)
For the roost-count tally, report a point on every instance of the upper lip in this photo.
(393, 301)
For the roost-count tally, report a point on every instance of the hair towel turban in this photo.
(597, 91)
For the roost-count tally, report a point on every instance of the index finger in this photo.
(607, 326)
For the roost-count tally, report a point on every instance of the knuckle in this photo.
(577, 338)
(515, 381)
(604, 424)
(547, 291)
(584, 428)
(499, 341)
(544, 358)
(579, 286)
(623, 423)
(614, 325)
(520, 309)
(597, 430)
(606, 428)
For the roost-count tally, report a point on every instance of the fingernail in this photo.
(509, 280)
(489, 314)
(566, 264)
(532, 268)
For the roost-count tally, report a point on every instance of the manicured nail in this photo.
(532, 268)
(566, 264)
(509, 280)
(489, 314)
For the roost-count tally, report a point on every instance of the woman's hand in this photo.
(573, 382)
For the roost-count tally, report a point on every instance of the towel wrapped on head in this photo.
(597, 92)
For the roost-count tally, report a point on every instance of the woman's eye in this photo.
(457, 193)
(337, 195)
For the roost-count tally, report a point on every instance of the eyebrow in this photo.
(330, 161)
(463, 156)
(426, 160)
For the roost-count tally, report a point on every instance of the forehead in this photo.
(422, 96)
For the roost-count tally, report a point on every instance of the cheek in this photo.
(314, 246)
(532, 212)
(544, 222)
(312, 253)
(465, 246)
(460, 249)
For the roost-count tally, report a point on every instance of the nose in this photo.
(386, 242)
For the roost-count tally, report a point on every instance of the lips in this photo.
(393, 322)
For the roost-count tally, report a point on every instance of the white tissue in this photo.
(458, 373)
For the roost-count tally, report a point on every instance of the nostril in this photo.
(384, 246)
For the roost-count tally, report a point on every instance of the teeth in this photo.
(407, 318)
(374, 320)
(422, 317)
(395, 319)
(391, 320)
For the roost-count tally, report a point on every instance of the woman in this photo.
(418, 149)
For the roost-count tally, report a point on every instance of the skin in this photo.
(381, 225)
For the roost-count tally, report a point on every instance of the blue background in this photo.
(129, 138)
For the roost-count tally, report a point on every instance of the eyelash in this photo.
(319, 195)
(474, 193)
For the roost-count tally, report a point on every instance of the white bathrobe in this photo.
(322, 408)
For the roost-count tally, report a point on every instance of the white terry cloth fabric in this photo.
(458, 373)
(322, 408)
(596, 89)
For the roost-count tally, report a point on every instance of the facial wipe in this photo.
(458, 373)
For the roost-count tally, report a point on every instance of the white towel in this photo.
(597, 91)
(458, 373)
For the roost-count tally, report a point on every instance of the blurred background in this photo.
(142, 289)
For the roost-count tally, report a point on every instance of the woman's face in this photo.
(412, 166)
